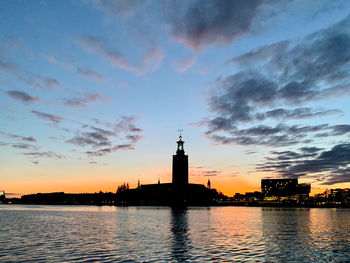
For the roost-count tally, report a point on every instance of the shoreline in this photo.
(271, 205)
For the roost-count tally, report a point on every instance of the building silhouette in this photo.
(178, 192)
(180, 165)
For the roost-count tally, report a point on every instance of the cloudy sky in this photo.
(93, 93)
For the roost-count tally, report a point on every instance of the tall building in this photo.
(180, 165)
(283, 187)
(279, 187)
(2, 196)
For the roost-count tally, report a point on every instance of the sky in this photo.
(93, 93)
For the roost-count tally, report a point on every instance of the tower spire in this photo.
(180, 144)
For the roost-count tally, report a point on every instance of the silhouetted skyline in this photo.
(94, 92)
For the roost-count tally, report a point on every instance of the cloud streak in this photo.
(24, 146)
(83, 100)
(185, 64)
(48, 154)
(45, 116)
(150, 61)
(89, 73)
(15, 136)
(46, 82)
(30, 78)
(328, 166)
(113, 137)
(22, 96)
(204, 171)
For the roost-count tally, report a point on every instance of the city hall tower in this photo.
(180, 165)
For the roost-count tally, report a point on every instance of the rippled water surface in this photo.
(157, 234)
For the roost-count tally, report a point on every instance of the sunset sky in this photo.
(93, 93)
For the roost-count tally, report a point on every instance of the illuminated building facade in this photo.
(2, 195)
(284, 187)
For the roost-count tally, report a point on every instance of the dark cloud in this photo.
(289, 155)
(340, 129)
(46, 82)
(206, 22)
(126, 124)
(97, 45)
(22, 96)
(6, 66)
(150, 61)
(15, 136)
(96, 138)
(202, 23)
(274, 140)
(204, 171)
(29, 139)
(28, 77)
(45, 116)
(250, 152)
(89, 73)
(339, 176)
(24, 146)
(298, 113)
(310, 149)
(264, 54)
(33, 151)
(102, 152)
(113, 137)
(44, 155)
(330, 166)
(279, 135)
(289, 73)
(83, 100)
(211, 173)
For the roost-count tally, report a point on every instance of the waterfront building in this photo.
(339, 196)
(284, 187)
(2, 196)
(179, 191)
(253, 196)
(180, 165)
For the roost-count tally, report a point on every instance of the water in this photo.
(159, 234)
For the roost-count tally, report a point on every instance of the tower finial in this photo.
(180, 130)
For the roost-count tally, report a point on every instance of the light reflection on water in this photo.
(160, 234)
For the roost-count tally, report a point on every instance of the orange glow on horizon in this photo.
(107, 181)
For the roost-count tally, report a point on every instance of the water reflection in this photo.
(181, 243)
(284, 232)
(158, 234)
(297, 234)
